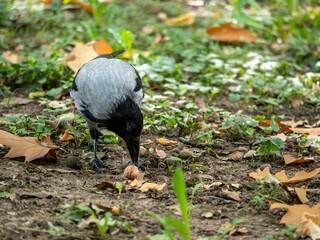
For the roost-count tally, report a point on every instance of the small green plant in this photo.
(24, 125)
(169, 224)
(269, 147)
(235, 222)
(7, 195)
(239, 127)
(119, 186)
(75, 213)
(56, 231)
(266, 191)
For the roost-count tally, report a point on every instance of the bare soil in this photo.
(44, 186)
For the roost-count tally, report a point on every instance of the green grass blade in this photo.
(179, 187)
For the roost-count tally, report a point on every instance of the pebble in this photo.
(73, 162)
(185, 153)
(142, 151)
(263, 166)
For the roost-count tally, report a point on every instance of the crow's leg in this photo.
(96, 163)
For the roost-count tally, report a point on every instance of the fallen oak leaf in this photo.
(11, 57)
(259, 175)
(28, 147)
(227, 33)
(302, 176)
(233, 195)
(283, 127)
(147, 186)
(166, 142)
(183, 20)
(295, 212)
(102, 47)
(288, 159)
(282, 176)
(310, 225)
(310, 131)
(66, 136)
(302, 194)
(83, 53)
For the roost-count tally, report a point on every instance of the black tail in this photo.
(111, 55)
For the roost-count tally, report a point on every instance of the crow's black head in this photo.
(127, 122)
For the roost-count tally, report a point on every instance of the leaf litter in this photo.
(29, 147)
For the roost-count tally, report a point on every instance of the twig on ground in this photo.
(199, 145)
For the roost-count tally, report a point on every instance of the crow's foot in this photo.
(97, 165)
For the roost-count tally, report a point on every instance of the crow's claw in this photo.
(96, 165)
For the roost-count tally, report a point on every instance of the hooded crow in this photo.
(108, 91)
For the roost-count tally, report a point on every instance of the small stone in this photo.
(185, 153)
(73, 162)
(263, 166)
(142, 151)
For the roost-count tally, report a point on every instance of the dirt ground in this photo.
(44, 186)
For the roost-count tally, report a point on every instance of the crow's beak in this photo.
(133, 144)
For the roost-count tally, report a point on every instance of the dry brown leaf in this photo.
(66, 136)
(282, 136)
(289, 159)
(16, 101)
(11, 56)
(282, 176)
(231, 194)
(302, 194)
(160, 153)
(57, 104)
(46, 140)
(114, 210)
(302, 176)
(30, 148)
(281, 125)
(104, 185)
(310, 225)
(80, 4)
(259, 175)
(147, 186)
(227, 33)
(166, 142)
(310, 131)
(83, 53)
(294, 124)
(187, 19)
(102, 47)
(295, 212)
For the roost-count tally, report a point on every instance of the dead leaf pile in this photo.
(135, 181)
(297, 214)
(29, 147)
(308, 218)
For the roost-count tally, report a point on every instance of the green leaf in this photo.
(179, 187)
(56, 231)
(126, 39)
(102, 224)
(7, 195)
